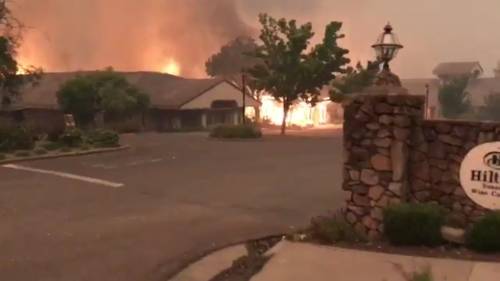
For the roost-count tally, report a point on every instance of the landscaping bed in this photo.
(244, 268)
(425, 238)
(20, 144)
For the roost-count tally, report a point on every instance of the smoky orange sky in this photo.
(67, 35)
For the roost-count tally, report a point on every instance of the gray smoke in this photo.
(134, 35)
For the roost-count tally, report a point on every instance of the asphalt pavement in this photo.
(169, 199)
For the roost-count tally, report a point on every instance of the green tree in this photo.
(454, 99)
(355, 80)
(103, 91)
(79, 97)
(292, 71)
(232, 60)
(491, 110)
(11, 81)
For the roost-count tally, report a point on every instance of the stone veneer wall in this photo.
(392, 155)
(377, 139)
(438, 150)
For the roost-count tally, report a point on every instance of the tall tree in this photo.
(232, 60)
(102, 91)
(355, 80)
(454, 99)
(12, 75)
(290, 69)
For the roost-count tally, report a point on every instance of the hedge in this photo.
(103, 138)
(71, 137)
(414, 224)
(236, 132)
(18, 138)
(484, 235)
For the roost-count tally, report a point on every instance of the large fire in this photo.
(171, 67)
(301, 114)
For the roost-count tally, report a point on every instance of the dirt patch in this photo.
(244, 268)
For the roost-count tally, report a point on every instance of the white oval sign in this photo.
(480, 175)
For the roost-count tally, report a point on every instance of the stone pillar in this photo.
(377, 134)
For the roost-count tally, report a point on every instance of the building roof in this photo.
(166, 91)
(457, 68)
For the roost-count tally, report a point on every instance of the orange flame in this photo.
(171, 67)
(301, 114)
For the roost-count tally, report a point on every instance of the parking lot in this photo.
(142, 213)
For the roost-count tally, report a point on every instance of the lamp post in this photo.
(386, 48)
(244, 93)
(426, 113)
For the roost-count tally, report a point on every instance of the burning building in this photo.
(301, 113)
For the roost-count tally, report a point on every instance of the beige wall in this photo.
(223, 91)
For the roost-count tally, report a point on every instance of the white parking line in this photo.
(65, 175)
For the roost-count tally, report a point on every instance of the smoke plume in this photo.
(64, 35)
(67, 35)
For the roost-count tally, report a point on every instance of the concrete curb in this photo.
(180, 271)
(65, 154)
(211, 265)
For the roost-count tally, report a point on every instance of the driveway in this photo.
(171, 198)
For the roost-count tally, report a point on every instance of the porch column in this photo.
(236, 117)
(177, 122)
(204, 123)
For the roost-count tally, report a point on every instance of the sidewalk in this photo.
(304, 262)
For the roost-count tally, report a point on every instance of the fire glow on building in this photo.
(301, 114)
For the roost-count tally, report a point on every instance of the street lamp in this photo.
(386, 49)
(387, 46)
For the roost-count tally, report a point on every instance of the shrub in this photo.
(414, 224)
(2, 157)
(51, 146)
(236, 131)
(22, 154)
(334, 229)
(22, 138)
(72, 137)
(66, 149)
(54, 135)
(485, 234)
(16, 138)
(85, 147)
(5, 142)
(103, 138)
(40, 151)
